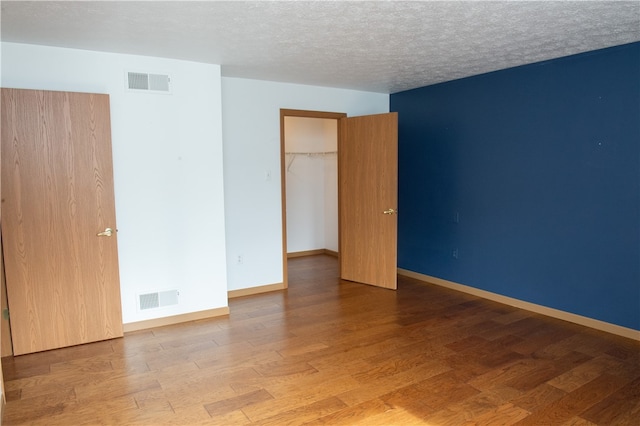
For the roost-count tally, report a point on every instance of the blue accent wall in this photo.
(526, 182)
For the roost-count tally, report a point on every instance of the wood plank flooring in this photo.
(331, 352)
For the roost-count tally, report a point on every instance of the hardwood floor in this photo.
(331, 352)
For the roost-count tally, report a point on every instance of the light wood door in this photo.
(368, 198)
(3, 295)
(57, 193)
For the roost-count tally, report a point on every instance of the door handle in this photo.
(106, 233)
(390, 211)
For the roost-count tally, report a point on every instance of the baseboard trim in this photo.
(255, 290)
(304, 253)
(331, 253)
(175, 319)
(539, 309)
(311, 253)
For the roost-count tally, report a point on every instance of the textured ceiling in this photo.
(383, 46)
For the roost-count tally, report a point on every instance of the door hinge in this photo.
(5, 313)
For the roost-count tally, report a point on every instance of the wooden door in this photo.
(57, 193)
(3, 295)
(368, 198)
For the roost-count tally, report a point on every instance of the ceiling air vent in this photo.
(140, 81)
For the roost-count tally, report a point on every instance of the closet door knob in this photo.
(390, 211)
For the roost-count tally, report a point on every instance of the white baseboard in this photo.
(539, 309)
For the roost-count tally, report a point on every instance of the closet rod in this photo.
(308, 154)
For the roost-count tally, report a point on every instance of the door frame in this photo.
(283, 176)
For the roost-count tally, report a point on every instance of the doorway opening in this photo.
(308, 157)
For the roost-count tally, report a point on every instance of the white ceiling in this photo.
(379, 46)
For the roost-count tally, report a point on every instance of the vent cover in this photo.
(139, 81)
(158, 299)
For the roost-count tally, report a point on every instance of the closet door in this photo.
(58, 219)
(368, 199)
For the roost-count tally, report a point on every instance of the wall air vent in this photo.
(158, 300)
(144, 82)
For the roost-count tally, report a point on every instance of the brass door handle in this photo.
(390, 211)
(106, 233)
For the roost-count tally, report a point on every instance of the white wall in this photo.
(251, 131)
(167, 156)
(311, 192)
